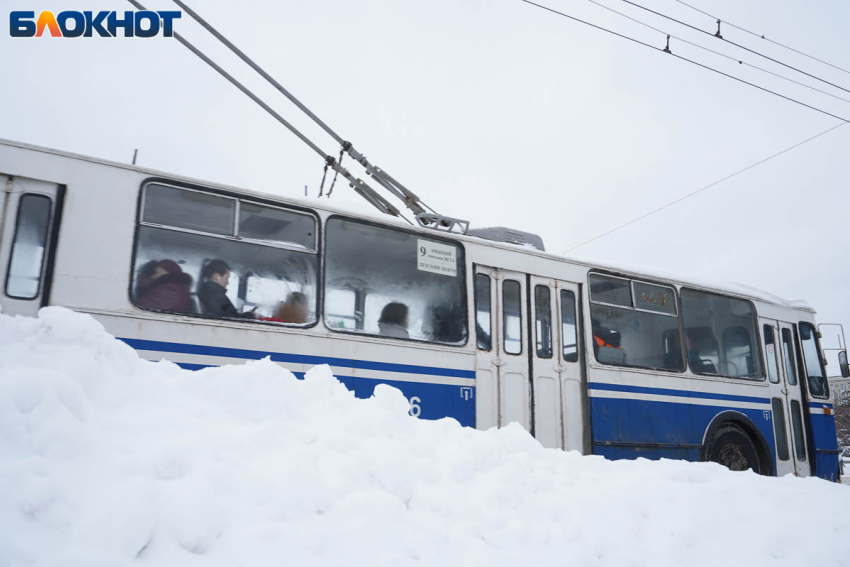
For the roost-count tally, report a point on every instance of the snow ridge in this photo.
(109, 460)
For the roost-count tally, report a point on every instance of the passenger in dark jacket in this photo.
(212, 291)
(167, 288)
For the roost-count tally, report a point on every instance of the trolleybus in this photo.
(588, 358)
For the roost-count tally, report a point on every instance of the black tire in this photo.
(732, 447)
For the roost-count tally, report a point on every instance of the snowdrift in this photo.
(109, 460)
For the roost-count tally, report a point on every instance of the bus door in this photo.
(556, 375)
(786, 398)
(502, 367)
(29, 221)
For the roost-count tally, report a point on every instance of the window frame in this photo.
(475, 309)
(815, 333)
(575, 303)
(538, 320)
(437, 237)
(47, 241)
(632, 281)
(236, 218)
(776, 347)
(759, 338)
(184, 186)
(503, 322)
(677, 316)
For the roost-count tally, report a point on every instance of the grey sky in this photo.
(495, 111)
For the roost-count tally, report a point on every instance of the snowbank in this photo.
(109, 460)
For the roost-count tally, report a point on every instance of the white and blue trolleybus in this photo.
(477, 328)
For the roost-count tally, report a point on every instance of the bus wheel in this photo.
(733, 448)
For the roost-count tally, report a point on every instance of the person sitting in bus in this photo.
(212, 291)
(604, 336)
(393, 321)
(162, 285)
(607, 344)
(294, 310)
(144, 277)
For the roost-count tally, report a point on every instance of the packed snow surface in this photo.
(108, 460)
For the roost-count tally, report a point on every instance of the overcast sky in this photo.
(495, 111)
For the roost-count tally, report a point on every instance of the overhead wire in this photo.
(719, 181)
(358, 185)
(649, 45)
(718, 53)
(738, 45)
(384, 179)
(700, 190)
(762, 36)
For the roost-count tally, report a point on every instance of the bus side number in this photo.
(415, 408)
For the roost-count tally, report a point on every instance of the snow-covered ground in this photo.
(109, 460)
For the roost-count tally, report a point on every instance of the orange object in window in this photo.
(601, 342)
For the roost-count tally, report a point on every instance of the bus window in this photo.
(610, 290)
(189, 261)
(779, 429)
(483, 316)
(399, 284)
(192, 210)
(543, 309)
(569, 336)
(788, 352)
(641, 330)
(740, 353)
(770, 353)
(340, 308)
(277, 225)
(818, 386)
(23, 278)
(797, 424)
(722, 335)
(512, 316)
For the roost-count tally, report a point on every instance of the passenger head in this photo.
(168, 267)
(216, 271)
(395, 314)
(145, 276)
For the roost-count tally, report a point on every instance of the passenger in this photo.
(604, 336)
(294, 310)
(215, 275)
(393, 321)
(144, 278)
(162, 285)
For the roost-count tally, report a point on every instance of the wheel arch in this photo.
(746, 424)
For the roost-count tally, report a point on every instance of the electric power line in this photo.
(739, 61)
(685, 59)
(764, 38)
(691, 194)
(738, 45)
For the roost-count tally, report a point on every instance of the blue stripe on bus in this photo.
(678, 393)
(434, 401)
(819, 405)
(204, 350)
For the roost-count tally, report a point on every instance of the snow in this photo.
(109, 460)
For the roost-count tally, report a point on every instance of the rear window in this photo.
(721, 336)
